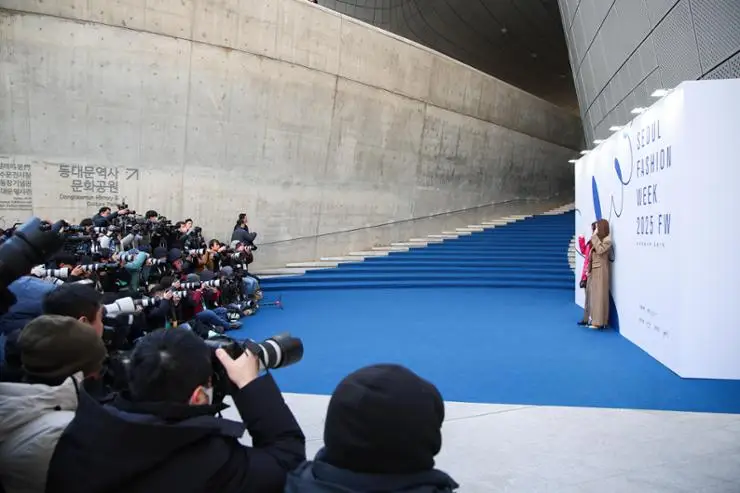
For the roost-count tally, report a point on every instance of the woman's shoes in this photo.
(583, 322)
(597, 327)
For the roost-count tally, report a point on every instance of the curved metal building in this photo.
(621, 51)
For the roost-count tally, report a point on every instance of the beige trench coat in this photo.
(597, 286)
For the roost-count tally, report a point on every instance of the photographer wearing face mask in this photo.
(164, 432)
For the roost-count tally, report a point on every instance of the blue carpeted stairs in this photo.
(531, 253)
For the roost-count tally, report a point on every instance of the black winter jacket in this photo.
(135, 447)
(321, 477)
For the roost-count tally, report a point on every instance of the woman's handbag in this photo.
(583, 284)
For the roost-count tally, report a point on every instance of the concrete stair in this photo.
(300, 268)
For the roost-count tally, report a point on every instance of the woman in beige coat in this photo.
(597, 287)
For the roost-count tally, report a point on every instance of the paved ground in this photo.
(500, 448)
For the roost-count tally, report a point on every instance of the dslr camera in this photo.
(275, 352)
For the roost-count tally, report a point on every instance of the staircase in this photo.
(512, 252)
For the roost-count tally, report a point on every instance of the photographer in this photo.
(163, 431)
(151, 217)
(158, 266)
(382, 430)
(193, 306)
(78, 301)
(133, 269)
(104, 216)
(107, 281)
(242, 234)
(213, 255)
(29, 293)
(57, 354)
(69, 261)
(185, 240)
(158, 317)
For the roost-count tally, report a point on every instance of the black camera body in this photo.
(275, 352)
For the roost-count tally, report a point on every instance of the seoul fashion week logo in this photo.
(619, 177)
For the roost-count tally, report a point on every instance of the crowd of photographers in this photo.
(151, 274)
(117, 362)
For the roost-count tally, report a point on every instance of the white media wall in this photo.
(669, 184)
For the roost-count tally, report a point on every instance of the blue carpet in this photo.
(508, 346)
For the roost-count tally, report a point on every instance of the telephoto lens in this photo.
(275, 352)
(147, 302)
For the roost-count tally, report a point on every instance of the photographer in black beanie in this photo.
(382, 432)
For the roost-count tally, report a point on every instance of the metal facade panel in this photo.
(675, 46)
(730, 69)
(657, 9)
(717, 25)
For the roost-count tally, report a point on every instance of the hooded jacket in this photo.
(321, 477)
(381, 434)
(29, 293)
(32, 419)
(143, 447)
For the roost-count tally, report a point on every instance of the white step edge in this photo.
(426, 240)
(458, 233)
(497, 222)
(368, 254)
(482, 226)
(390, 249)
(469, 230)
(444, 237)
(312, 265)
(409, 244)
(341, 260)
(281, 272)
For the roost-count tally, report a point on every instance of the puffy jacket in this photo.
(29, 292)
(32, 419)
(150, 447)
(134, 268)
(321, 477)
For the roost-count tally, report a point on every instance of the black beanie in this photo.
(159, 252)
(175, 254)
(384, 419)
(54, 347)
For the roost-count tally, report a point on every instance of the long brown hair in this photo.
(603, 226)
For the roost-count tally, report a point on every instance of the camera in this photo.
(41, 271)
(214, 283)
(74, 228)
(100, 267)
(32, 243)
(196, 251)
(128, 257)
(275, 352)
(127, 306)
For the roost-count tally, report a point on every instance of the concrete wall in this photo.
(311, 122)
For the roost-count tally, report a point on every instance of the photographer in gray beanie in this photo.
(57, 353)
(383, 429)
